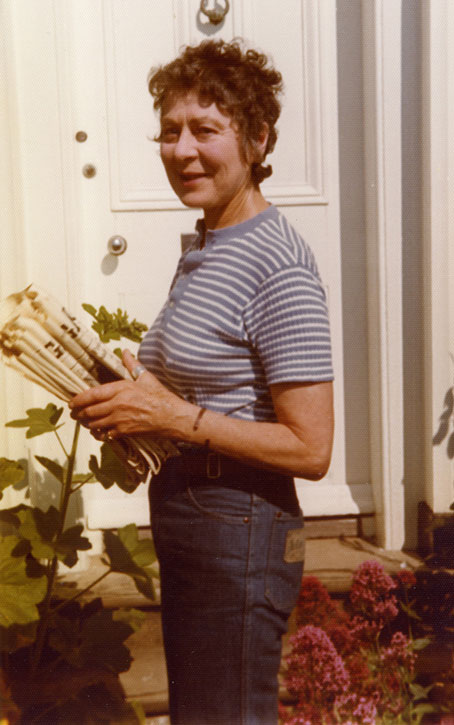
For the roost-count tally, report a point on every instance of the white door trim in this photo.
(382, 120)
(13, 259)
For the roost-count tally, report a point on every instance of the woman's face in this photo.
(203, 159)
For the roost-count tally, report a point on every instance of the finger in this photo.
(103, 424)
(95, 395)
(136, 369)
(129, 361)
(83, 421)
(93, 412)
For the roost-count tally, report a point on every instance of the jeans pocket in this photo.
(285, 561)
(223, 504)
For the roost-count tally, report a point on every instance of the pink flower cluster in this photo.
(371, 596)
(314, 653)
(339, 670)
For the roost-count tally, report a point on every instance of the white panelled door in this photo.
(115, 185)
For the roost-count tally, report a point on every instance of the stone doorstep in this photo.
(146, 679)
(332, 560)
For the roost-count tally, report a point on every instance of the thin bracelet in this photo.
(198, 418)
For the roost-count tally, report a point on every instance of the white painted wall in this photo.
(438, 229)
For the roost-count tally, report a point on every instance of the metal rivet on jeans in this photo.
(246, 519)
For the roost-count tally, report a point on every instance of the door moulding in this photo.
(382, 124)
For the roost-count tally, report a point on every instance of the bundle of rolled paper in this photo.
(46, 344)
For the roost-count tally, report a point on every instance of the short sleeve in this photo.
(287, 323)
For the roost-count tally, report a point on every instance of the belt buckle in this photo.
(213, 463)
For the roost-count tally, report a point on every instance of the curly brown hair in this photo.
(241, 82)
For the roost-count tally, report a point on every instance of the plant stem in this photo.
(64, 500)
(61, 444)
(66, 489)
(410, 628)
(82, 591)
(82, 483)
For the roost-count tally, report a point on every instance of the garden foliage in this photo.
(62, 649)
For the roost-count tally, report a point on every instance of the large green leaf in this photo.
(132, 556)
(103, 641)
(19, 593)
(134, 618)
(91, 636)
(141, 550)
(39, 532)
(39, 420)
(69, 543)
(110, 470)
(17, 635)
(55, 468)
(11, 472)
(40, 546)
(420, 643)
(9, 522)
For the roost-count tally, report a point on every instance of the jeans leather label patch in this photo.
(294, 546)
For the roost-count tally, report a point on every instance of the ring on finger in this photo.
(138, 370)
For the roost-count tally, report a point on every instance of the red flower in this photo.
(370, 594)
(315, 605)
(405, 578)
(399, 654)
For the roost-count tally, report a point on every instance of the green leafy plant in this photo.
(114, 325)
(62, 650)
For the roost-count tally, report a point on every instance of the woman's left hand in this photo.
(126, 407)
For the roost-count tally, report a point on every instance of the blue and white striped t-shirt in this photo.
(245, 311)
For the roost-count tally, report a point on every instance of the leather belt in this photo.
(198, 466)
(202, 463)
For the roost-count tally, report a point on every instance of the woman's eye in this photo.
(169, 135)
(205, 131)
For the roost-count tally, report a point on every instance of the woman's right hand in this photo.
(127, 407)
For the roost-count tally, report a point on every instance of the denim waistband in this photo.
(196, 466)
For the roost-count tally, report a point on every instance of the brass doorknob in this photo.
(117, 245)
(217, 14)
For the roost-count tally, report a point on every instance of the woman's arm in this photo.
(299, 443)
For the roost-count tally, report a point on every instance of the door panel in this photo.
(138, 180)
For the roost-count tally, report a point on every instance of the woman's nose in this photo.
(185, 146)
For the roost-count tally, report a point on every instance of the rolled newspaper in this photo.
(46, 344)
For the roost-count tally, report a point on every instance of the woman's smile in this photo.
(191, 178)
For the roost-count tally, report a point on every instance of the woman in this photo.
(237, 370)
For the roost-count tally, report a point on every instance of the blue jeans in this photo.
(231, 566)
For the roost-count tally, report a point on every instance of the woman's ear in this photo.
(262, 140)
(256, 149)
